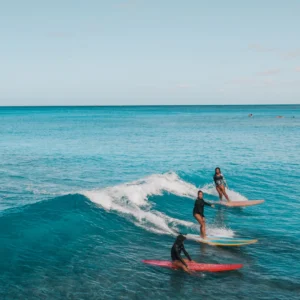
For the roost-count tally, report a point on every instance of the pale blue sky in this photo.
(118, 52)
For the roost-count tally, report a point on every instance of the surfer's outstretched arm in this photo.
(208, 204)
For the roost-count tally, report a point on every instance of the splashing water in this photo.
(131, 200)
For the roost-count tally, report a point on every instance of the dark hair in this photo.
(180, 239)
(199, 192)
(217, 168)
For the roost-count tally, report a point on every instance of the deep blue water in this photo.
(86, 193)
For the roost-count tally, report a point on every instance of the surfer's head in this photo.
(180, 239)
(200, 194)
(217, 170)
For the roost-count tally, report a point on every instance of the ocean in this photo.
(87, 193)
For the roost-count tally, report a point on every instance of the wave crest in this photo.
(131, 201)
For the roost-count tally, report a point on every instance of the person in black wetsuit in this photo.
(177, 260)
(198, 213)
(220, 184)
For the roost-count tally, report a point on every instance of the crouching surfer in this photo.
(178, 261)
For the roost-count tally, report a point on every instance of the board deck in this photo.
(221, 241)
(198, 267)
(239, 203)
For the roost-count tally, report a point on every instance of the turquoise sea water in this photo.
(86, 193)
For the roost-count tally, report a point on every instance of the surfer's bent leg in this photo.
(178, 264)
(219, 192)
(222, 187)
(201, 221)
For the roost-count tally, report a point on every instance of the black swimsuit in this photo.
(199, 207)
(175, 253)
(219, 180)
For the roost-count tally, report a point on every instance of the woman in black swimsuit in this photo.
(220, 184)
(198, 213)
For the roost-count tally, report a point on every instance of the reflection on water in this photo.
(220, 217)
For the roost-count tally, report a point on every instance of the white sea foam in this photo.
(131, 201)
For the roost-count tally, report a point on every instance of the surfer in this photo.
(198, 213)
(220, 183)
(178, 261)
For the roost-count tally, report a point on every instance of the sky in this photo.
(149, 52)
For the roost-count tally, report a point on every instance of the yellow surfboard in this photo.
(221, 241)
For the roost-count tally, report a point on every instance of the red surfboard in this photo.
(196, 266)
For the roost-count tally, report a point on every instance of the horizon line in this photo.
(146, 105)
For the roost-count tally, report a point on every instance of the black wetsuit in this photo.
(176, 250)
(199, 207)
(219, 179)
